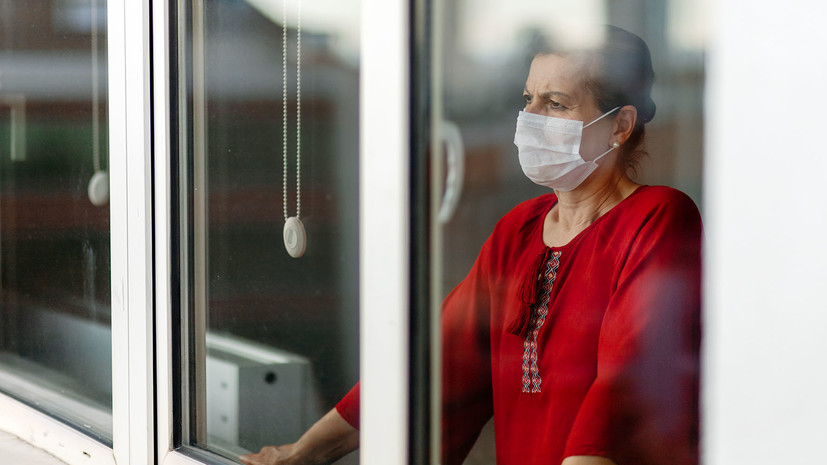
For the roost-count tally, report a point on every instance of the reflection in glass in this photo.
(55, 334)
(270, 341)
(487, 48)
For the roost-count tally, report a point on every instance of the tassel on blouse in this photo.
(528, 294)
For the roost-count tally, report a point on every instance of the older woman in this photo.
(578, 326)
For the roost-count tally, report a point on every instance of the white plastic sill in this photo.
(15, 450)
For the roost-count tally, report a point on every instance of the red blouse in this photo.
(591, 348)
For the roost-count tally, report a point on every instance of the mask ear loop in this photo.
(614, 144)
(601, 117)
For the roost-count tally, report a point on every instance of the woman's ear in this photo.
(624, 123)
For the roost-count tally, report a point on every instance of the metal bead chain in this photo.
(298, 110)
(284, 102)
(298, 107)
(96, 156)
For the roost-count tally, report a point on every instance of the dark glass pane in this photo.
(54, 248)
(299, 315)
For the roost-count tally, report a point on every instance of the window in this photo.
(267, 342)
(103, 309)
(55, 318)
(482, 57)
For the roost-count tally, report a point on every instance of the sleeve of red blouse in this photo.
(466, 361)
(348, 407)
(642, 406)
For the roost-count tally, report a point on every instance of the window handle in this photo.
(455, 154)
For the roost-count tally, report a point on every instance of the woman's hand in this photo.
(586, 460)
(329, 439)
(270, 455)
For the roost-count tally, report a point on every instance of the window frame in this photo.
(385, 229)
(130, 209)
(130, 88)
(52, 435)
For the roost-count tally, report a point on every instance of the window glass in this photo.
(269, 342)
(486, 49)
(55, 341)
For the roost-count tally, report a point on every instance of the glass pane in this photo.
(270, 342)
(55, 338)
(487, 51)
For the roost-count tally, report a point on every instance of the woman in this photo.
(578, 326)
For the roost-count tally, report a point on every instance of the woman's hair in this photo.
(619, 72)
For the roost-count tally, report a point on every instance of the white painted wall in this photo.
(765, 378)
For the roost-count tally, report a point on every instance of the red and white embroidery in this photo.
(531, 372)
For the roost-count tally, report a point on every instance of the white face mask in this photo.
(549, 150)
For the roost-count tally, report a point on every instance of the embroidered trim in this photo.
(531, 372)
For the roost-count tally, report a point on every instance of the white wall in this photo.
(765, 385)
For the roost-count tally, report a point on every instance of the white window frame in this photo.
(131, 219)
(384, 229)
(51, 435)
(131, 264)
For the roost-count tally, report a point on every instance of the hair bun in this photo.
(646, 113)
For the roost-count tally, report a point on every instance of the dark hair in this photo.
(619, 72)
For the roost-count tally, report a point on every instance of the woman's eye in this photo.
(527, 99)
(555, 105)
